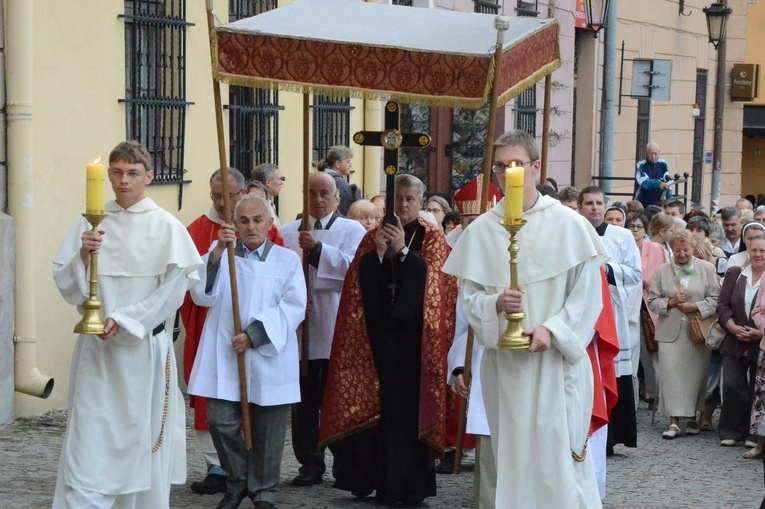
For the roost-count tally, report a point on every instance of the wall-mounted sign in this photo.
(707, 157)
(745, 82)
(651, 79)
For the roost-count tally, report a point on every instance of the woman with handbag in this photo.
(683, 293)
(652, 256)
(740, 348)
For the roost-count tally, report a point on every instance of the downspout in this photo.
(27, 377)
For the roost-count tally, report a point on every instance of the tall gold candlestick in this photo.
(513, 338)
(91, 322)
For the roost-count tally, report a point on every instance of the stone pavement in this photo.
(689, 472)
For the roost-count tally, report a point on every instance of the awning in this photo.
(355, 49)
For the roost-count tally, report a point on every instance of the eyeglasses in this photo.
(218, 197)
(635, 226)
(501, 167)
(132, 174)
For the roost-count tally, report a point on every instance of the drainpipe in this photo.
(28, 379)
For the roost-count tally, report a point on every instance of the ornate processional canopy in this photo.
(346, 48)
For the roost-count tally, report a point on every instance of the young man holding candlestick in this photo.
(538, 401)
(125, 439)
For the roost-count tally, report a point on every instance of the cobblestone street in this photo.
(689, 472)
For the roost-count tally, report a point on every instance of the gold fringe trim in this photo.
(361, 427)
(528, 82)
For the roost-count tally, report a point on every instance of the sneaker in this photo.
(728, 442)
(672, 431)
(750, 444)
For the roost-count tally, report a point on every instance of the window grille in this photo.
(527, 8)
(155, 82)
(526, 111)
(407, 3)
(486, 6)
(331, 124)
(643, 128)
(698, 136)
(253, 113)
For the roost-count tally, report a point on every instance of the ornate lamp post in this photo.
(717, 21)
(596, 16)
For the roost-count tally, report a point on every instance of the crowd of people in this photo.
(352, 332)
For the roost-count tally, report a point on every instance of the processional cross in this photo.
(391, 139)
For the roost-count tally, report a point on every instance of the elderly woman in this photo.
(680, 287)
(366, 213)
(751, 230)
(439, 207)
(652, 256)
(740, 348)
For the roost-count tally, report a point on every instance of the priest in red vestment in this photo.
(204, 232)
(384, 406)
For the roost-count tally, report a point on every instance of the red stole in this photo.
(605, 393)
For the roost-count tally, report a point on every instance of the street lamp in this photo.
(596, 20)
(717, 22)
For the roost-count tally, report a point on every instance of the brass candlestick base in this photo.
(513, 338)
(91, 322)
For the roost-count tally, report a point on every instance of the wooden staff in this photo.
(501, 23)
(545, 129)
(230, 247)
(306, 227)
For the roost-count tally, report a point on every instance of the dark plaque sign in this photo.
(745, 82)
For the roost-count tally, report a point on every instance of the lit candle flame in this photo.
(96, 161)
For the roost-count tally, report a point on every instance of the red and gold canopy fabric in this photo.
(354, 49)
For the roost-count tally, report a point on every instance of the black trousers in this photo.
(737, 397)
(305, 419)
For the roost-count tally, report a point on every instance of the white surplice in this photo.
(271, 291)
(117, 390)
(325, 282)
(476, 418)
(538, 404)
(627, 268)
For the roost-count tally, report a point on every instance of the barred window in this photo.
(643, 127)
(526, 111)
(407, 3)
(331, 124)
(253, 113)
(155, 82)
(526, 8)
(486, 6)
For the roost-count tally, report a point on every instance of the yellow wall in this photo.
(755, 42)
(78, 73)
(659, 32)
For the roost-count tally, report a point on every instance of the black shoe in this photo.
(211, 485)
(306, 479)
(262, 504)
(231, 500)
(446, 465)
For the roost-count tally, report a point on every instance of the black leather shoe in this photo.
(306, 479)
(211, 485)
(231, 500)
(262, 504)
(446, 465)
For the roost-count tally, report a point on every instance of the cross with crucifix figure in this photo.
(391, 139)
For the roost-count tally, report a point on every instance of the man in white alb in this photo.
(126, 439)
(538, 401)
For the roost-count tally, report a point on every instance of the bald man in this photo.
(330, 244)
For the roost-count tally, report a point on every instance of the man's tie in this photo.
(317, 225)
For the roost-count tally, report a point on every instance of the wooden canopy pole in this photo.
(306, 227)
(502, 24)
(230, 247)
(545, 130)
